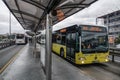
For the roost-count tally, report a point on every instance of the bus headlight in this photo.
(106, 60)
(82, 62)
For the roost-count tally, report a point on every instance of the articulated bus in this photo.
(83, 44)
(20, 39)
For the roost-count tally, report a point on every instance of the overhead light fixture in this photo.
(65, 2)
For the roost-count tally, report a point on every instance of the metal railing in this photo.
(4, 44)
(114, 52)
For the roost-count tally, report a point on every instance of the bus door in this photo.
(70, 45)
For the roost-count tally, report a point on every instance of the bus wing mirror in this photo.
(79, 30)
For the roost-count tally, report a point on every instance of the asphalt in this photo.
(63, 70)
(7, 53)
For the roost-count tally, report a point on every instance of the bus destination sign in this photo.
(96, 29)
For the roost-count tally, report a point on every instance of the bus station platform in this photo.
(24, 67)
(27, 67)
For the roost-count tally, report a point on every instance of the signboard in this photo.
(60, 15)
(111, 39)
(93, 28)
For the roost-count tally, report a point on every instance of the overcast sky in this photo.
(4, 21)
(87, 15)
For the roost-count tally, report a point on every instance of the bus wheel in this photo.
(62, 52)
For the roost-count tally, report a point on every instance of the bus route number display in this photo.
(97, 29)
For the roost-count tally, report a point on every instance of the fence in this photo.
(114, 52)
(7, 43)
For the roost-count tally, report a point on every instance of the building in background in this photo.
(112, 20)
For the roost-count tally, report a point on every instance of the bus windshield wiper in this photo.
(88, 50)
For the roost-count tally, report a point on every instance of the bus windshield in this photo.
(20, 36)
(92, 42)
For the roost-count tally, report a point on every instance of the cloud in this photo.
(15, 28)
(4, 18)
(4, 28)
(99, 8)
(4, 21)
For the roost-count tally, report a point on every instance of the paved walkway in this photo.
(25, 67)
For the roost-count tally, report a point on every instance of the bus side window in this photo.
(89, 46)
(77, 42)
(83, 46)
(54, 38)
(63, 39)
(79, 30)
(58, 39)
(68, 38)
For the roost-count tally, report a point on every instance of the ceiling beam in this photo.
(35, 3)
(22, 12)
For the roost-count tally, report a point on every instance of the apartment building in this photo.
(112, 20)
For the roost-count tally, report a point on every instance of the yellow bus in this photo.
(82, 44)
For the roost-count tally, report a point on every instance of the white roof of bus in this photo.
(81, 24)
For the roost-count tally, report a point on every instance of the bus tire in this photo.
(62, 52)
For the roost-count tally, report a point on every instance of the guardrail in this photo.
(4, 44)
(114, 52)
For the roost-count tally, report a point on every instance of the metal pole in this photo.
(35, 41)
(10, 27)
(113, 58)
(108, 23)
(48, 49)
(96, 21)
(108, 27)
(34, 44)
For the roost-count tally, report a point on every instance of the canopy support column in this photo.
(48, 60)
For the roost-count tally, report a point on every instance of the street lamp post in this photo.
(10, 27)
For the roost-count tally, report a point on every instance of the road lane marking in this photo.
(12, 59)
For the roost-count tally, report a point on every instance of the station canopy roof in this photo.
(31, 14)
